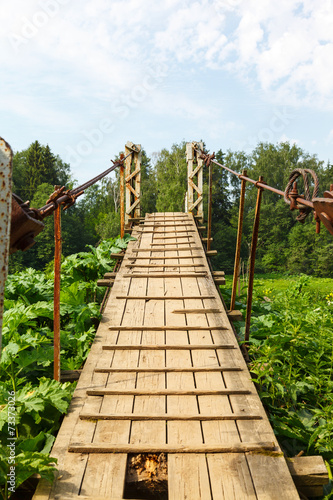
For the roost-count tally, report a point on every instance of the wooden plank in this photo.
(166, 416)
(183, 249)
(188, 474)
(229, 474)
(176, 347)
(197, 311)
(186, 328)
(309, 471)
(117, 255)
(169, 448)
(164, 297)
(72, 468)
(166, 257)
(170, 370)
(164, 265)
(167, 232)
(167, 243)
(173, 237)
(164, 275)
(165, 392)
(148, 388)
(174, 226)
(105, 474)
(106, 282)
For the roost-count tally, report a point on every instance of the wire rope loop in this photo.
(304, 172)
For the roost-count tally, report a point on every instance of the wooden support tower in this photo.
(194, 198)
(133, 181)
(165, 378)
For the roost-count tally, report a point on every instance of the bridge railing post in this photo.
(132, 180)
(239, 242)
(194, 179)
(252, 262)
(56, 296)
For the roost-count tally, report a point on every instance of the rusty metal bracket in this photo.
(25, 225)
(324, 209)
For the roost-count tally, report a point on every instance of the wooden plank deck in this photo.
(183, 370)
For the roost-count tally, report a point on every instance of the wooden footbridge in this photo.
(165, 407)
(166, 386)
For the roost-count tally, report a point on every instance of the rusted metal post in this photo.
(6, 157)
(239, 242)
(252, 262)
(56, 308)
(122, 201)
(210, 201)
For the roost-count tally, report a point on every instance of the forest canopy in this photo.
(284, 245)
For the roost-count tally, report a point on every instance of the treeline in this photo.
(284, 244)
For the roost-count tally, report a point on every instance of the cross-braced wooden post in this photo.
(133, 181)
(195, 179)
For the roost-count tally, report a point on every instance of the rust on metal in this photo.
(56, 306)
(25, 225)
(321, 206)
(239, 242)
(6, 159)
(252, 261)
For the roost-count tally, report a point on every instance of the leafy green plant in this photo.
(26, 366)
(291, 354)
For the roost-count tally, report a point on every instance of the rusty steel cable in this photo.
(69, 197)
(299, 199)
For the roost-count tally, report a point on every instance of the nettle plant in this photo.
(26, 365)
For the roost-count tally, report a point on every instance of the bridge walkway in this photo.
(165, 375)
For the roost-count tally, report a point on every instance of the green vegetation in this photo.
(31, 403)
(291, 334)
(291, 355)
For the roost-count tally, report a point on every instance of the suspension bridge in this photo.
(165, 406)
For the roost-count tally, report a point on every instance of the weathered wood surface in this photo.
(191, 368)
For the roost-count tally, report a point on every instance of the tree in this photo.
(171, 175)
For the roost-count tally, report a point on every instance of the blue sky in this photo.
(87, 76)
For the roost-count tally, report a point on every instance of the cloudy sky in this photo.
(86, 76)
